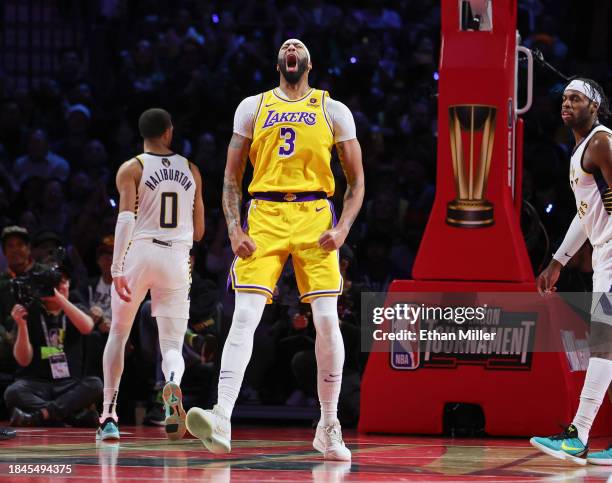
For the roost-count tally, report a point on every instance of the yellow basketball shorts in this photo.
(280, 229)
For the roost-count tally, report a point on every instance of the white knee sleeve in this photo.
(239, 347)
(329, 350)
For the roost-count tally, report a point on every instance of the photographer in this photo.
(17, 250)
(48, 350)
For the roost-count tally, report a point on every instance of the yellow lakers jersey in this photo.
(291, 147)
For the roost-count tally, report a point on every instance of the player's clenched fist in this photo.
(332, 239)
(243, 245)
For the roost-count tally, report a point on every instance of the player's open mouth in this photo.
(566, 114)
(291, 61)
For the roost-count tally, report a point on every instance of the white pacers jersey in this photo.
(165, 200)
(593, 196)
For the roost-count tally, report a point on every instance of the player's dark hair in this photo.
(154, 122)
(603, 112)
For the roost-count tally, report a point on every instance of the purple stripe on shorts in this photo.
(245, 223)
(229, 275)
(254, 287)
(333, 212)
(323, 293)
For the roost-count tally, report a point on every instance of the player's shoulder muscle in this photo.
(129, 170)
(600, 147)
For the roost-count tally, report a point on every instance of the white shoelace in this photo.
(334, 434)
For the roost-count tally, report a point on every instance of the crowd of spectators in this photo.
(62, 140)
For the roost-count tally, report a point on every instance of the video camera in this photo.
(40, 281)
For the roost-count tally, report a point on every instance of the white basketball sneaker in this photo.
(328, 440)
(213, 428)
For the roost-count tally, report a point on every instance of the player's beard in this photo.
(580, 120)
(295, 76)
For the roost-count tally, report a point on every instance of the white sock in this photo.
(110, 404)
(598, 378)
(329, 350)
(171, 337)
(112, 365)
(238, 348)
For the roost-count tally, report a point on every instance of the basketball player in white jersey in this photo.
(161, 212)
(584, 102)
(288, 134)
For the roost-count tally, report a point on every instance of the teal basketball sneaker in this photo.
(603, 457)
(108, 430)
(175, 414)
(565, 446)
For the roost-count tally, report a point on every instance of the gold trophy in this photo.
(470, 209)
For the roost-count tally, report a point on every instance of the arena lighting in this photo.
(549, 207)
(215, 18)
(353, 60)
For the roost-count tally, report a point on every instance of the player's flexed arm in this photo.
(237, 154)
(349, 153)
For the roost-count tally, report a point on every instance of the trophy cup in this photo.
(472, 131)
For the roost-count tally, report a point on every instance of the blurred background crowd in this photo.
(68, 120)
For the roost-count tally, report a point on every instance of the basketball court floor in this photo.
(266, 454)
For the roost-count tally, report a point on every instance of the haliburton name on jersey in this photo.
(168, 175)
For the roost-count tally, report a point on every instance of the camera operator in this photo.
(17, 250)
(48, 350)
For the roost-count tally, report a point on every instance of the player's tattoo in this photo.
(340, 151)
(232, 184)
(351, 187)
(236, 142)
(232, 198)
(350, 181)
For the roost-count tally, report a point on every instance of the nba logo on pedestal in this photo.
(405, 352)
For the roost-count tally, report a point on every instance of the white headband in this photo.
(584, 88)
(298, 40)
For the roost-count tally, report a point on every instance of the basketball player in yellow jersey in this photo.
(288, 134)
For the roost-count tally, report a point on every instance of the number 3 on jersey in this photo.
(168, 214)
(288, 135)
